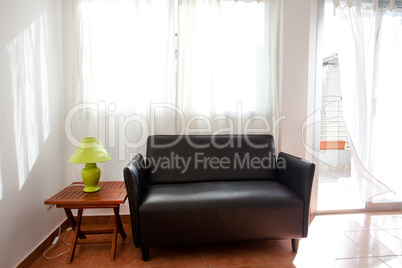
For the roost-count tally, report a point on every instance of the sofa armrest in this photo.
(298, 175)
(136, 182)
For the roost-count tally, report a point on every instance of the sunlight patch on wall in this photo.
(28, 65)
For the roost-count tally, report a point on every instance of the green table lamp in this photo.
(89, 152)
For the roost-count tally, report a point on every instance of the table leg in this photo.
(118, 227)
(74, 242)
(71, 220)
(114, 240)
(118, 220)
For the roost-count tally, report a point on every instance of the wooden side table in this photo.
(111, 195)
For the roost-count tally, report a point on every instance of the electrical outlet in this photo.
(49, 207)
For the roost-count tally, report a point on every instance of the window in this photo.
(202, 65)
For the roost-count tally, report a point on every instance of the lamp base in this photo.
(91, 175)
(91, 189)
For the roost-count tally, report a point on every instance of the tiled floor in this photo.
(354, 240)
(336, 189)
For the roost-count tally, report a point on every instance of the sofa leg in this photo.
(295, 244)
(145, 253)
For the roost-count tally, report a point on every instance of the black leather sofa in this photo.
(201, 189)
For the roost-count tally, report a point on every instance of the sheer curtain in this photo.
(145, 67)
(124, 67)
(227, 63)
(370, 62)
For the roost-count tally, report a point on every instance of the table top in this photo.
(112, 193)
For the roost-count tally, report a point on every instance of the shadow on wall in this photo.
(30, 94)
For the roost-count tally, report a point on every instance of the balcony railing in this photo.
(333, 127)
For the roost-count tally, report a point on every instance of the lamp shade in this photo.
(90, 150)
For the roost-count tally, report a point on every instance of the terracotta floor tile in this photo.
(351, 240)
(360, 263)
(83, 254)
(327, 248)
(387, 222)
(392, 261)
(339, 224)
(312, 251)
(282, 265)
(359, 225)
(321, 224)
(347, 248)
(395, 232)
(377, 242)
(235, 254)
(250, 266)
(177, 257)
(276, 251)
(126, 256)
(312, 264)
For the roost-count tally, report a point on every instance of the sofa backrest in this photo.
(197, 158)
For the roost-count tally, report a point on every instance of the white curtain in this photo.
(370, 62)
(227, 64)
(123, 62)
(129, 83)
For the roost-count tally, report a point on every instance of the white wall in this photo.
(31, 97)
(298, 73)
(300, 56)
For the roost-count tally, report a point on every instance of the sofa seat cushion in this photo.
(219, 211)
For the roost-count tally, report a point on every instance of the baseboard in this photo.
(28, 261)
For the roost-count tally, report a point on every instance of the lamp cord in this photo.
(55, 242)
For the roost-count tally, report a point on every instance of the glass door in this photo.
(334, 183)
(336, 190)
